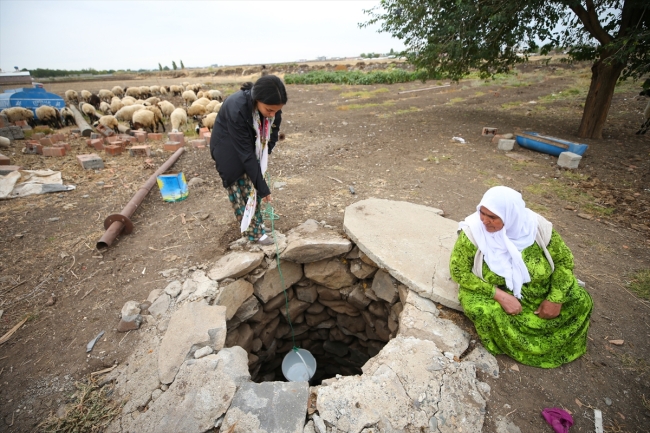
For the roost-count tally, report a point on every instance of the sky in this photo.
(134, 35)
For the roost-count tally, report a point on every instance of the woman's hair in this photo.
(269, 90)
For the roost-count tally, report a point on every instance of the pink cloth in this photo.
(558, 418)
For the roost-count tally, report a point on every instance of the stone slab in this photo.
(278, 407)
(235, 265)
(309, 242)
(412, 242)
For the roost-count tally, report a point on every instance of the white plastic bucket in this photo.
(298, 366)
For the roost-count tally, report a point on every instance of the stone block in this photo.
(113, 149)
(176, 136)
(54, 151)
(569, 160)
(505, 144)
(4, 160)
(6, 169)
(235, 265)
(94, 135)
(140, 151)
(197, 143)
(90, 161)
(4, 122)
(172, 146)
(16, 132)
(155, 136)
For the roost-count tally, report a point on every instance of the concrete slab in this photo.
(412, 242)
(278, 407)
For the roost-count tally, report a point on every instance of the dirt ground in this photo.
(384, 144)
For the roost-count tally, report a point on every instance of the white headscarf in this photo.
(502, 249)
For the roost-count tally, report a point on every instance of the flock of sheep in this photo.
(141, 107)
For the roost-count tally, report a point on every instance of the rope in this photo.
(269, 214)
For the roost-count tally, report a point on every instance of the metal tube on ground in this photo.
(84, 127)
(120, 223)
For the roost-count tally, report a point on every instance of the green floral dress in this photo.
(525, 337)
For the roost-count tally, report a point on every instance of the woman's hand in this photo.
(508, 302)
(267, 199)
(548, 310)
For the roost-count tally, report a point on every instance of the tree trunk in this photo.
(599, 98)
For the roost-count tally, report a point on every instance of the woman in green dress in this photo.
(517, 285)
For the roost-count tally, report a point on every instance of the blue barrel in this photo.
(30, 98)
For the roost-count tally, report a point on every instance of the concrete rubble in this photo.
(215, 341)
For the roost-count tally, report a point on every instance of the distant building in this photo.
(321, 58)
(15, 78)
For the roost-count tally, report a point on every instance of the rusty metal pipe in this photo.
(120, 223)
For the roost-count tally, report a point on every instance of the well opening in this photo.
(342, 327)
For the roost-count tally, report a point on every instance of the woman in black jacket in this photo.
(244, 134)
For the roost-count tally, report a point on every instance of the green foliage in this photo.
(46, 73)
(166, 68)
(160, 67)
(640, 284)
(174, 65)
(356, 77)
(182, 65)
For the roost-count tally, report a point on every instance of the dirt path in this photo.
(382, 144)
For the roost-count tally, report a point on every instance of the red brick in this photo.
(38, 148)
(6, 169)
(66, 145)
(155, 136)
(111, 139)
(202, 130)
(3, 123)
(206, 136)
(54, 151)
(197, 143)
(176, 136)
(127, 137)
(140, 150)
(4, 160)
(20, 123)
(37, 135)
(172, 146)
(140, 136)
(113, 149)
(46, 141)
(90, 161)
(120, 143)
(97, 143)
(89, 142)
(54, 138)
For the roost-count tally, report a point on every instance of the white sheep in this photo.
(145, 92)
(128, 100)
(201, 101)
(144, 119)
(166, 107)
(72, 96)
(185, 84)
(153, 100)
(105, 108)
(154, 90)
(208, 121)
(178, 118)
(164, 90)
(116, 104)
(196, 110)
(158, 117)
(213, 94)
(105, 95)
(175, 90)
(15, 114)
(117, 91)
(199, 95)
(85, 95)
(68, 117)
(646, 124)
(213, 106)
(189, 96)
(49, 116)
(126, 113)
(133, 92)
(109, 122)
(89, 111)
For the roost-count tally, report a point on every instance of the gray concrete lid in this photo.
(412, 242)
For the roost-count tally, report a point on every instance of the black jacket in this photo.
(232, 143)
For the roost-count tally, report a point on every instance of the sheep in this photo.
(213, 94)
(154, 90)
(68, 117)
(72, 96)
(108, 121)
(185, 84)
(175, 90)
(158, 117)
(142, 102)
(164, 90)
(85, 95)
(89, 111)
(213, 106)
(153, 100)
(117, 91)
(145, 92)
(189, 96)
(178, 118)
(133, 91)
(116, 104)
(196, 110)
(199, 95)
(105, 108)
(15, 114)
(49, 116)
(144, 119)
(166, 107)
(646, 124)
(208, 121)
(126, 113)
(105, 95)
(201, 101)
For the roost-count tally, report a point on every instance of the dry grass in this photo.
(640, 284)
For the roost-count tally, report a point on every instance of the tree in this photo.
(159, 67)
(453, 37)
(166, 68)
(174, 65)
(182, 65)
